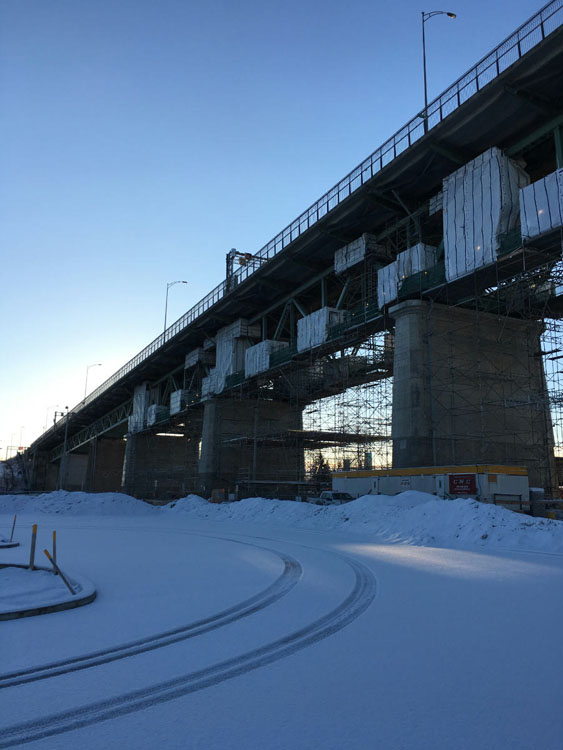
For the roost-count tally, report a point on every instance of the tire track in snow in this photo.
(290, 576)
(357, 601)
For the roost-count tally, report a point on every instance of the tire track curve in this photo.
(289, 577)
(356, 602)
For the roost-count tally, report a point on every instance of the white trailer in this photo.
(491, 483)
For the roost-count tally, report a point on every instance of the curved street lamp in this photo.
(168, 285)
(425, 17)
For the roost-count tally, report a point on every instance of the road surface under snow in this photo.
(396, 623)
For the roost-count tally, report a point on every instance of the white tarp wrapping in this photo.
(199, 355)
(349, 255)
(211, 384)
(387, 284)
(417, 258)
(178, 401)
(156, 413)
(136, 421)
(231, 343)
(481, 202)
(257, 358)
(312, 330)
(414, 259)
(356, 251)
(541, 205)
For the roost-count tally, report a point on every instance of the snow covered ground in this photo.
(406, 622)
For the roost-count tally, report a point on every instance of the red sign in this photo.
(463, 484)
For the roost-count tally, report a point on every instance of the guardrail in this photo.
(525, 38)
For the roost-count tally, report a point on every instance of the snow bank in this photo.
(76, 504)
(412, 517)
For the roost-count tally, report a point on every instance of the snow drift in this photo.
(409, 518)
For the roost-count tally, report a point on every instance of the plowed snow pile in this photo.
(409, 518)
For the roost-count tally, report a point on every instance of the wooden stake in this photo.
(33, 540)
(13, 527)
(59, 572)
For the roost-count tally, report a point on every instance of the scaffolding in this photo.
(357, 420)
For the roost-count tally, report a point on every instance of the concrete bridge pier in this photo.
(43, 475)
(72, 472)
(160, 466)
(104, 471)
(469, 387)
(248, 441)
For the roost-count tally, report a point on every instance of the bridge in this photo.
(427, 273)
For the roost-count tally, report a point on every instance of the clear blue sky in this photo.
(143, 139)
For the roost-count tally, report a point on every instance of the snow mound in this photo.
(409, 518)
(412, 517)
(76, 504)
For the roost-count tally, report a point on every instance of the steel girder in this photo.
(110, 420)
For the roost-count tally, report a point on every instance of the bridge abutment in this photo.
(469, 387)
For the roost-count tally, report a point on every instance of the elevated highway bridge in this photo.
(511, 100)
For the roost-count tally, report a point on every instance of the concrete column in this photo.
(43, 473)
(469, 387)
(72, 471)
(105, 465)
(249, 440)
(160, 466)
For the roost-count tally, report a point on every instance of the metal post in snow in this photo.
(59, 572)
(13, 527)
(33, 542)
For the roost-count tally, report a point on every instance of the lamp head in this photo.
(450, 15)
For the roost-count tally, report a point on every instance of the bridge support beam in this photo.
(247, 441)
(160, 466)
(469, 387)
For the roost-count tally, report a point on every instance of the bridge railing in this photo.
(527, 36)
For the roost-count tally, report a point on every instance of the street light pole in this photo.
(168, 285)
(66, 431)
(425, 17)
(97, 364)
(64, 458)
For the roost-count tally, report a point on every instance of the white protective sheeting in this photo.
(178, 401)
(387, 284)
(312, 330)
(231, 343)
(356, 251)
(414, 259)
(541, 205)
(349, 255)
(211, 384)
(481, 202)
(136, 421)
(257, 358)
(417, 258)
(156, 413)
(199, 355)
